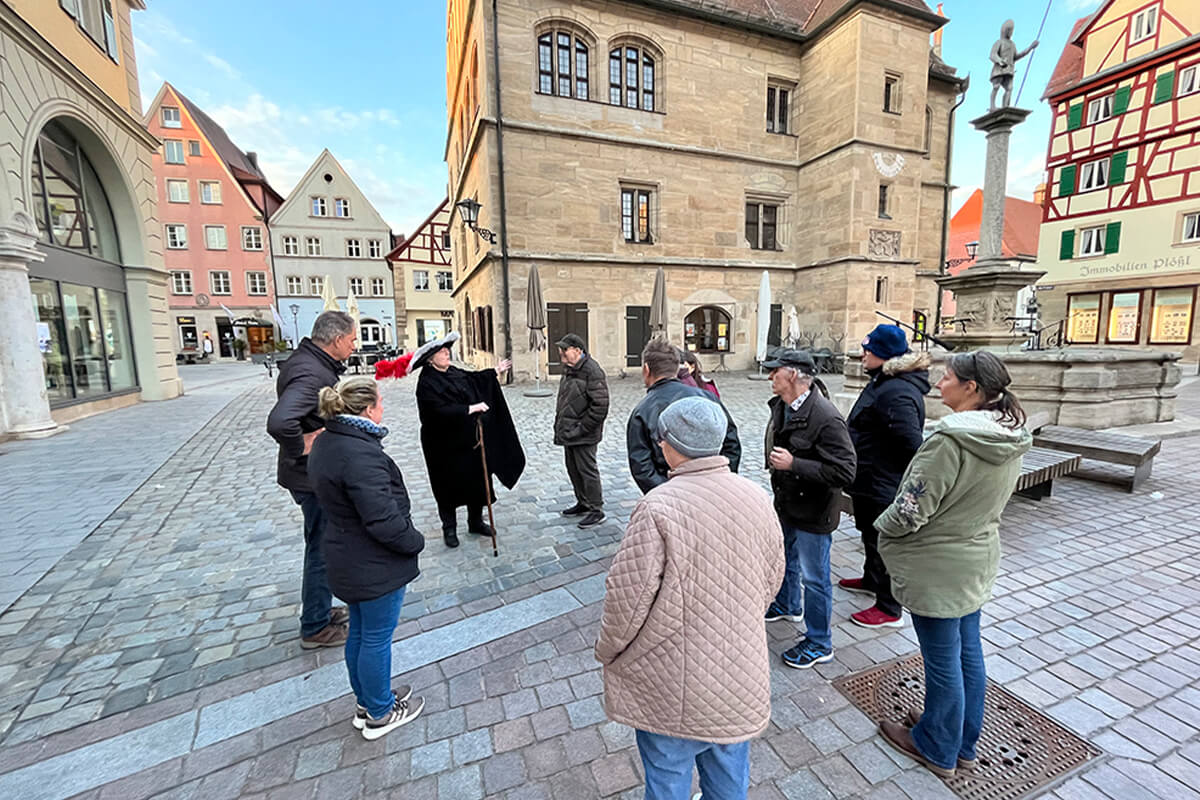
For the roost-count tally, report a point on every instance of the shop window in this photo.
(1172, 314)
(81, 316)
(1124, 318)
(118, 347)
(707, 330)
(52, 340)
(1083, 318)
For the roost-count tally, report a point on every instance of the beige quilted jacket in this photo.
(682, 638)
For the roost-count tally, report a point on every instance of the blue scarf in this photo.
(363, 424)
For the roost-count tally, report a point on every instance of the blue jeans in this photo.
(807, 557)
(955, 681)
(369, 650)
(315, 598)
(724, 768)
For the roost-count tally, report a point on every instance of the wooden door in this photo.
(561, 319)
(637, 333)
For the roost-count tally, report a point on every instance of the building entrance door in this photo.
(637, 333)
(561, 319)
(225, 339)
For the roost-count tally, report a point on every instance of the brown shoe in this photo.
(914, 716)
(330, 636)
(339, 615)
(900, 738)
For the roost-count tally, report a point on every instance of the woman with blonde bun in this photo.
(370, 545)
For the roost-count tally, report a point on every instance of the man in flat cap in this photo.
(579, 426)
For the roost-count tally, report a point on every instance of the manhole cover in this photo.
(1021, 749)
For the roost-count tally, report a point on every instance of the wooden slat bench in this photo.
(1111, 448)
(1039, 468)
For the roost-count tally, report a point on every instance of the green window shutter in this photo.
(1164, 87)
(1066, 248)
(1116, 168)
(1112, 238)
(1066, 180)
(1121, 100)
(1075, 117)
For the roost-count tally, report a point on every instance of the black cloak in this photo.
(448, 435)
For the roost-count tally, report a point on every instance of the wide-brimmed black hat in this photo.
(797, 359)
(425, 352)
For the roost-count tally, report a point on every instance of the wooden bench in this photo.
(1039, 468)
(1111, 448)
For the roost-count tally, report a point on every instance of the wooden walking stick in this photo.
(487, 484)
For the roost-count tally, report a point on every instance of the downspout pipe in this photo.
(962, 98)
(505, 315)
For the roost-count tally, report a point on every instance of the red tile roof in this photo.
(1022, 225)
(1069, 69)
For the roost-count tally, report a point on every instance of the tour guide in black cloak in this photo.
(448, 401)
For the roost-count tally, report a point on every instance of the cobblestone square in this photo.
(158, 656)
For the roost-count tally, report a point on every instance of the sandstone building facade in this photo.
(714, 139)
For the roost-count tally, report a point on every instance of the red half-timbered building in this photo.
(1120, 238)
(424, 278)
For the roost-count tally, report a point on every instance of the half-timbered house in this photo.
(424, 278)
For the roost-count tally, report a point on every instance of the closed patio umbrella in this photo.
(658, 306)
(793, 328)
(352, 305)
(535, 320)
(329, 296)
(764, 324)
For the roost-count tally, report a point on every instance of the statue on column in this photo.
(1004, 60)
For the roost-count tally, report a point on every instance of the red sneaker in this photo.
(874, 618)
(855, 585)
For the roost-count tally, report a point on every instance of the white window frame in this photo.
(353, 248)
(445, 280)
(184, 196)
(171, 120)
(312, 246)
(318, 206)
(378, 287)
(1144, 25)
(1189, 80)
(420, 280)
(252, 238)
(291, 245)
(1091, 241)
(374, 248)
(1194, 219)
(167, 151)
(213, 193)
(338, 204)
(358, 287)
(1094, 175)
(181, 281)
(316, 285)
(1100, 109)
(256, 283)
(208, 242)
(295, 285)
(225, 277)
(178, 232)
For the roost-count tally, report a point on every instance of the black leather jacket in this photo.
(301, 377)
(808, 496)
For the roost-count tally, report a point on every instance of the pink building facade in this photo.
(214, 205)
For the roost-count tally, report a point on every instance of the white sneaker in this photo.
(402, 713)
(697, 796)
(359, 721)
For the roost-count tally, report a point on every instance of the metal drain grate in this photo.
(1021, 749)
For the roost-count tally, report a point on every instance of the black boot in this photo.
(450, 537)
(480, 528)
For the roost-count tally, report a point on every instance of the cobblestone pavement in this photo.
(184, 600)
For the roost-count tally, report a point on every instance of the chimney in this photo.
(937, 35)
(252, 157)
(1039, 195)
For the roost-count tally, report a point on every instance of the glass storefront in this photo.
(1171, 318)
(1083, 318)
(52, 340)
(115, 320)
(707, 330)
(1124, 317)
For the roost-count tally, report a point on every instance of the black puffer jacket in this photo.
(808, 496)
(582, 404)
(646, 461)
(887, 425)
(370, 543)
(306, 371)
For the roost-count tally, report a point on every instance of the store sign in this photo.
(1116, 270)
(186, 320)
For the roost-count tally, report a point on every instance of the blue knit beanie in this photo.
(886, 341)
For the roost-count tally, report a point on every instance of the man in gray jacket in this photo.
(579, 426)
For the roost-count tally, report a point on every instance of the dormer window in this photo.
(170, 117)
(1144, 25)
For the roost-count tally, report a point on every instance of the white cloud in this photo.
(222, 65)
(1084, 6)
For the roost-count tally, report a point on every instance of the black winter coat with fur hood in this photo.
(887, 425)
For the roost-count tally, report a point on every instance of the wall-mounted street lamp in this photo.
(971, 248)
(468, 210)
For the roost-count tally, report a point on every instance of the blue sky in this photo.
(368, 82)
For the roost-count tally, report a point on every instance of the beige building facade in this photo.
(83, 307)
(424, 280)
(619, 137)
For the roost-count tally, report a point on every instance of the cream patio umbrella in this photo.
(793, 328)
(658, 306)
(329, 295)
(764, 325)
(535, 320)
(352, 306)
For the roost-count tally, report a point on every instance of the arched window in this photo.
(69, 203)
(631, 77)
(707, 329)
(370, 334)
(563, 64)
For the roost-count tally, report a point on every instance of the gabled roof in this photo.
(1069, 69)
(795, 17)
(301, 187)
(1022, 226)
(402, 242)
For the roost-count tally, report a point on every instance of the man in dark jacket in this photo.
(579, 426)
(660, 371)
(886, 426)
(294, 423)
(810, 459)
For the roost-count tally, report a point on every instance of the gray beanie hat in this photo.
(695, 426)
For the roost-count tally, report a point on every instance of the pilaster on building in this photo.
(1120, 238)
(716, 140)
